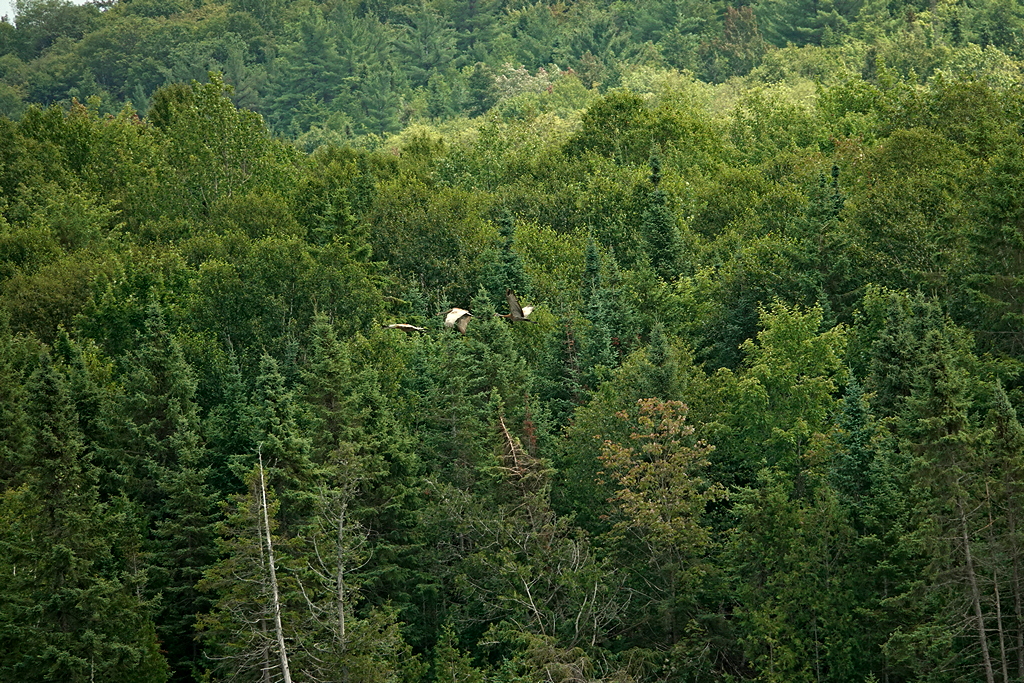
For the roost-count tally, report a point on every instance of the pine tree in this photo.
(795, 603)
(226, 429)
(896, 350)
(426, 42)
(1005, 447)
(14, 429)
(450, 664)
(940, 432)
(153, 443)
(505, 269)
(275, 433)
(71, 610)
(659, 503)
(873, 481)
(852, 459)
(184, 546)
(155, 417)
(257, 609)
(558, 373)
(659, 227)
(370, 472)
(308, 67)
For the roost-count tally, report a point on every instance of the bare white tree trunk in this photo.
(343, 640)
(273, 578)
(999, 627)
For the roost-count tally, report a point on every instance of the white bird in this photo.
(457, 318)
(407, 328)
(516, 312)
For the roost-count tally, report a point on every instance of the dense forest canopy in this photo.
(735, 398)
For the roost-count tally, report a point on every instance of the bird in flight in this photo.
(407, 328)
(516, 312)
(457, 318)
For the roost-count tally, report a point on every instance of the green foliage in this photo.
(789, 381)
(658, 511)
(213, 150)
(72, 609)
(811, 237)
(796, 607)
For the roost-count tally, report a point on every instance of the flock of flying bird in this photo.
(458, 318)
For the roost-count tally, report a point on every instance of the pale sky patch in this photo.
(7, 7)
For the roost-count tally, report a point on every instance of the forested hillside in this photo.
(760, 423)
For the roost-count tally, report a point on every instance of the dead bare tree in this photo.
(275, 592)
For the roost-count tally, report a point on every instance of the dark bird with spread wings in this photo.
(516, 312)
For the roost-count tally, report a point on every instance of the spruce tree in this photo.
(153, 442)
(850, 465)
(941, 433)
(14, 429)
(450, 663)
(275, 432)
(659, 227)
(257, 610)
(505, 269)
(1005, 447)
(72, 610)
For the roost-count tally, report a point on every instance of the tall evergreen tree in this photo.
(794, 603)
(152, 444)
(257, 609)
(14, 428)
(309, 67)
(71, 608)
(941, 433)
(275, 433)
(1005, 447)
(505, 270)
(659, 227)
(658, 514)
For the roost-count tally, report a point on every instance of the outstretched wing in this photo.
(457, 318)
(453, 315)
(407, 328)
(513, 305)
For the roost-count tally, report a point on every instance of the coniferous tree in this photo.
(1005, 447)
(275, 433)
(895, 353)
(659, 227)
(657, 512)
(257, 612)
(854, 453)
(450, 663)
(794, 603)
(14, 430)
(155, 419)
(84, 368)
(152, 444)
(72, 609)
(371, 474)
(939, 430)
(426, 42)
(558, 375)
(505, 269)
(873, 480)
(226, 429)
(310, 67)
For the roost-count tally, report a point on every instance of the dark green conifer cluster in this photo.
(763, 424)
